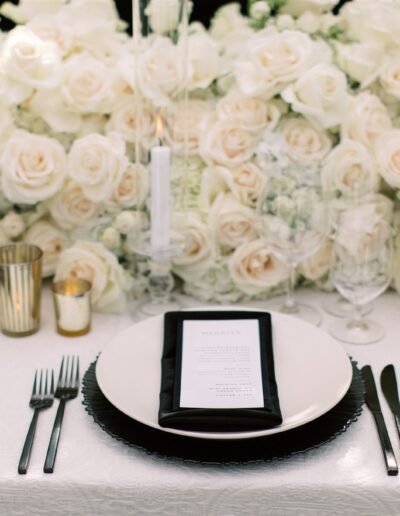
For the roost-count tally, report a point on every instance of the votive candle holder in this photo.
(72, 306)
(20, 289)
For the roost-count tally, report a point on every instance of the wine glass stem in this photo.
(290, 303)
(357, 321)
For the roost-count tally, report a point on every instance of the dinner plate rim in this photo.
(226, 435)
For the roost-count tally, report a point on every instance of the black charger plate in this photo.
(266, 448)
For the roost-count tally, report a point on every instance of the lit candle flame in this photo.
(159, 127)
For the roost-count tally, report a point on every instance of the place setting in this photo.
(200, 257)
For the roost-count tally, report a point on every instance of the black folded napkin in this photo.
(215, 419)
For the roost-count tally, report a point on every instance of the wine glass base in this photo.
(340, 307)
(151, 309)
(365, 332)
(301, 311)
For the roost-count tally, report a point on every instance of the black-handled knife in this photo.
(391, 393)
(371, 397)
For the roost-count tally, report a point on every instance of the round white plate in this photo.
(313, 373)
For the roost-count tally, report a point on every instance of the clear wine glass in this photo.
(293, 221)
(362, 271)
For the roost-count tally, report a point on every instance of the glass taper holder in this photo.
(160, 280)
(20, 289)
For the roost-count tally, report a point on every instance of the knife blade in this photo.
(391, 393)
(372, 400)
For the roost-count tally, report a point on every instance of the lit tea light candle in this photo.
(72, 306)
(160, 185)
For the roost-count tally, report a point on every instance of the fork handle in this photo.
(26, 450)
(55, 436)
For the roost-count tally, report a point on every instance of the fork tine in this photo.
(59, 381)
(40, 382)
(76, 385)
(45, 383)
(34, 384)
(70, 384)
(65, 379)
(52, 383)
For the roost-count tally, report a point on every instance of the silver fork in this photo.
(67, 389)
(41, 398)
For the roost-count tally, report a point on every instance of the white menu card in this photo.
(221, 365)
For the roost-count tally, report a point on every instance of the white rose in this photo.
(28, 9)
(12, 224)
(161, 70)
(204, 60)
(51, 240)
(223, 142)
(94, 25)
(163, 15)
(88, 85)
(361, 61)
(110, 238)
(184, 124)
(271, 59)
(48, 27)
(93, 262)
(71, 209)
(127, 222)
(226, 20)
(298, 7)
(27, 63)
(305, 143)
(319, 264)
(250, 113)
(387, 152)
(254, 269)
(370, 21)
(132, 188)
(362, 229)
(320, 94)
(366, 118)
(248, 183)
(232, 222)
(97, 162)
(33, 167)
(350, 169)
(198, 255)
(389, 78)
(123, 121)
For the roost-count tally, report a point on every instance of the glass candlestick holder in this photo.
(160, 280)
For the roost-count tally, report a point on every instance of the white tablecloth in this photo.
(96, 475)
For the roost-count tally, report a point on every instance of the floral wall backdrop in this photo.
(328, 84)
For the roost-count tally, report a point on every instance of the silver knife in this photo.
(391, 393)
(371, 397)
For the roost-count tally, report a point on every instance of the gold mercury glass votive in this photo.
(72, 305)
(20, 289)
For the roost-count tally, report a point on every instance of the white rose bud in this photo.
(13, 224)
(259, 10)
(126, 222)
(285, 21)
(110, 238)
(163, 15)
(309, 22)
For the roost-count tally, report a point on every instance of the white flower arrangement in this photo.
(291, 73)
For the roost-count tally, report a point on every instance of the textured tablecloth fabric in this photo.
(96, 475)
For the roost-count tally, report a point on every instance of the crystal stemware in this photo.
(293, 221)
(361, 272)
